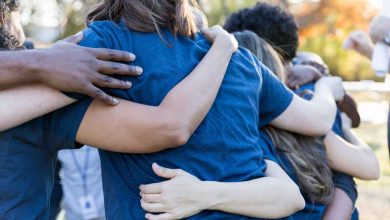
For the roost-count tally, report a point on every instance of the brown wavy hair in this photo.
(7, 40)
(306, 155)
(149, 15)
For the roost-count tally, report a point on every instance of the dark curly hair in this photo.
(275, 25)
(7, 40)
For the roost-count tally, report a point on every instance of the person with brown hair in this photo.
(304, 158)
(165, 36)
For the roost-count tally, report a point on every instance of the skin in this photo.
(83, 70)
(154, 128)
(256, 198)
(178, 197)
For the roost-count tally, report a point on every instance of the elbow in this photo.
(372, 171)
(178, 133)
(291, 202)
(323, 127)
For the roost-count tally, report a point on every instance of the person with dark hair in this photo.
(305, 159)
(29, 154)
(273, 24)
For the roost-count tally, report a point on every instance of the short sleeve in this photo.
(60, 127)
(275, 96)
(345, 183)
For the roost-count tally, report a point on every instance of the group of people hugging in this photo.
(219, 123)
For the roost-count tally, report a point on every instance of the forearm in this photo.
(357, 159)
(134, 128)
(18, 68)
(24, 103)
(273, 196)
(188, 103)
(341, 207)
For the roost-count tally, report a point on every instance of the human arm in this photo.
(361, 43)
(67, 67)
(340, 208)
(184, 195)
(314, 117)
(135, 128)
(352, 155)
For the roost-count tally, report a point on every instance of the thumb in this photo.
(165, 172)
(74, 39)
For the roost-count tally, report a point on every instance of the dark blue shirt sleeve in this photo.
(60, 127)
(275, 96)
(345, 183)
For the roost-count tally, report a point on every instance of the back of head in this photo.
(269, 22)
(8, 41)
(262, 50)
(149, 15)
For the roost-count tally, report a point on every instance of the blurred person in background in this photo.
(363, 43)
(81, 176)
(279, 28)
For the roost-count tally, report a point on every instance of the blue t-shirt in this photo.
(27, 161)
(225, 147)
(341, 180)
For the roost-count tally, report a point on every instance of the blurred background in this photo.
(324, 25)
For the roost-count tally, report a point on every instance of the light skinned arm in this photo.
(340, 208)
(273, 196)
(314, 117)
(135, 128)
(352, 155)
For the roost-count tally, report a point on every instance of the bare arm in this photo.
(354, 157)
(314, 117)
(135, 128)
(273, 196)
(67, 67)
(340, 208)
(23, 103)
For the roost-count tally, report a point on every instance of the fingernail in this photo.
(115, 101)
(131, 56)
(139, 70)
(128, 84)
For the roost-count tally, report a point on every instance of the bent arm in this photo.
(135, 128)
(273, 196)
(353, 157)
(24, 103)
(312, 118)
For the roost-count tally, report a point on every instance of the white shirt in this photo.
(72, 182)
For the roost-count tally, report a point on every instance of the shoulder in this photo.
(103, 34)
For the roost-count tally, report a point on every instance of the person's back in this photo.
(225, 147)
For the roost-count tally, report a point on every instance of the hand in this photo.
(346, 122)
(379, 28)
(360, 42)
(302, 74)
(335, 84)
(68, 67)
(177, 198)
(218, 34)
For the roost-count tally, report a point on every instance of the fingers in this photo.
(152, 198)
(165, 216)
(165, 172)
(153, 207)
(74, 39)
(154, 188)
(112, 55)
(107, 67)
(110, 82)
(98, 94)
